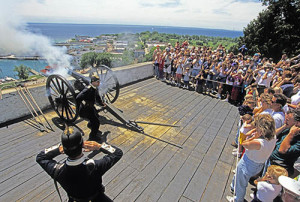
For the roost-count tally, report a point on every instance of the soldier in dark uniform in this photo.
(86, 100)
(80, 177)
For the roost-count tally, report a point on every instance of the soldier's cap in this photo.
(95, 78)
(72, 141)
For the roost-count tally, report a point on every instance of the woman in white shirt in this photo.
(258, 150)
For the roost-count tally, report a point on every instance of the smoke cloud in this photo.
(16, 39)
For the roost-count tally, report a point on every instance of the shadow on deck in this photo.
(150, 170)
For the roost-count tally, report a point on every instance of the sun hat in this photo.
(290, 184)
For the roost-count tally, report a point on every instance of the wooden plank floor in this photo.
(150, 170)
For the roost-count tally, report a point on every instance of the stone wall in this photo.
(12, 107)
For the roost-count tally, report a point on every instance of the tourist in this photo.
(237, 88)
(287, 149)
(278, 102)
(157, 62)
(268, 187)
(223, 71)
(291, 189)
(167, 65)
(179, 72)
(264, 77)
(258, 149)
(247, 125)
(265, 106)
(186, 78)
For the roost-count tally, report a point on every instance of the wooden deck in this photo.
(150, 170)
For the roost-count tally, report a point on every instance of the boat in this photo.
(9, 79)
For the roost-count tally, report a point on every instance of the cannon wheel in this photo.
(109, 85)
(62, 97)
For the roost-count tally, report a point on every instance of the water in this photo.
(61, 32)
(7, 66)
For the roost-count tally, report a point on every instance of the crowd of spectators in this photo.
(225, 75)
(267, 94)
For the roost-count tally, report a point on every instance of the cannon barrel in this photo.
(80, 77)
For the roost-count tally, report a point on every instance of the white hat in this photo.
(290, 184)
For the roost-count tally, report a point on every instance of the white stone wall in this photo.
(12, 106)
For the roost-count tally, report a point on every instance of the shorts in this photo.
(178, 76)
(169, 69)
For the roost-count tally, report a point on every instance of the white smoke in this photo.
(16, 39)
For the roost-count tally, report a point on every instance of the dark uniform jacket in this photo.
(86, 100)
(80, 178)
(90, 96)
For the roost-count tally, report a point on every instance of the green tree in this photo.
(88, 59)
(275, 31)
(104, 59)
(92, 58)
(22, 71)
(127, 57)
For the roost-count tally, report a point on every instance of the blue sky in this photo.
(218, 14)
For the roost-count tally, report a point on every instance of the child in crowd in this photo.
(246, 108)
(252, 90)
(186, 78)
(268, 187)
(179, 73)
(200, 81)
(248, 125)
(237, 84)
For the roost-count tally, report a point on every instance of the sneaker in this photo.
(230, 198)
(233, 171)
(226, 100)
(252, 196)
(218, 96)
(236, 153)
(234, 150)
(234, 144)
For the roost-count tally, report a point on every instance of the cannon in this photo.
(62, 96)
